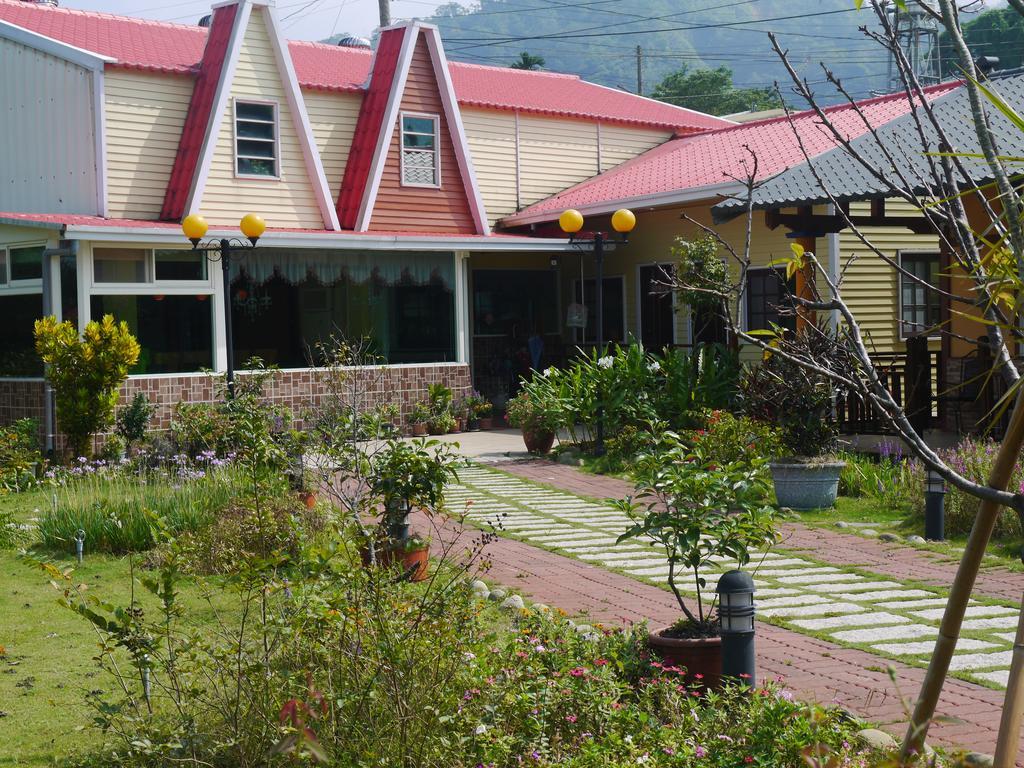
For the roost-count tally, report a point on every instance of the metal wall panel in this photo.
(47, 134)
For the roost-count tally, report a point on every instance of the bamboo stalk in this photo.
(963, 584)
(1013, 705)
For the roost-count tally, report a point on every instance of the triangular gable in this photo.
(409, 73)
(208, 123)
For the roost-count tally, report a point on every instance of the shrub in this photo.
(973, 459)
(726, 439)
(85, 373)
(887, 478)
(531, 411)
(20, 458)
(701, 272)
(133, 420)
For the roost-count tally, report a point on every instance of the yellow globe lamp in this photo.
(623, 221)
(571, 221)
(194, 226)
(252, 226)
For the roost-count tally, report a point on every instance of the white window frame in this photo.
(235, 138)
(901, 331)
(579, 335)
(151, 286)
(436, 120)
(20, 287)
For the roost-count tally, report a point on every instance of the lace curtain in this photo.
(295, 265)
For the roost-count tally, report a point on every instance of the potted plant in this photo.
(697, 513)
(483, 411)
(472, 405)
(294, 443)
(441, 424)
(538, 422)
(801, 404)
(407, 477)
(419, 415)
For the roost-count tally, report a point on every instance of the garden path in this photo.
(884, 612)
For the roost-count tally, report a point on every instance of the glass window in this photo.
(419, 151)
(919, 306)
(614, 310)
(255, 139)
(513, 302)
(285, 302)
(767, 292)
(175, 332)
(120, 265)
(3, 266)
(180, 265)
(17, 342)
(27, 263)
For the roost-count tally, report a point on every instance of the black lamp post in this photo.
(252, 226)
(736, 612)
(934, 506)
(623, 222)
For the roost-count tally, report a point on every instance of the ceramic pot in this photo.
(538, 441)
(419, 429)
(806, 485)
(698, 656)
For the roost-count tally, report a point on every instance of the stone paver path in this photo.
(895, 618)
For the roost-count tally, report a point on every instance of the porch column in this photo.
(220, 331)
(462, 306)
(804, 288)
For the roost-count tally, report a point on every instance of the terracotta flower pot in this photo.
(538, 441)
(409, 559)
(308, 498)
(419, 429)
(700, 657)
(486, 422)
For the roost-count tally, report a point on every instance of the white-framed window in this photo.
(767, 292)
(21, 266)
(149, 267)
(614, 295)
(21, 304)
(256, 140)
(421, 160)
(919, 306)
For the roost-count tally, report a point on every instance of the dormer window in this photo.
(256, 139)
(421, 165)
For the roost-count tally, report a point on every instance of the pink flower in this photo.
(700, 751)
(577, 671)
(570, 718)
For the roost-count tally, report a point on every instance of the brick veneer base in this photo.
(299, 390)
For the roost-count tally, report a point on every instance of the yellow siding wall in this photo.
(620, 143)
(492, 145)
(333, 117)
(285, 202)
(145, 115)
(553, 155)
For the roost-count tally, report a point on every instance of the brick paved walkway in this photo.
(816, 669)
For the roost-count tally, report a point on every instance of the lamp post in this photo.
(934, 506)
(253, 227)
(736, 611)
(623, 222)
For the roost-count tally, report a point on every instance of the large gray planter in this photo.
(806, 486)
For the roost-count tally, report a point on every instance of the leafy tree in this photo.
(712, 91)
(85, 373)
(527, 60)
(999, 32)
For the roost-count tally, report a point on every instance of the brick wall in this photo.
(299, 390)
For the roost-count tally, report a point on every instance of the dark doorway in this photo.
(708, 327)
(657, 316)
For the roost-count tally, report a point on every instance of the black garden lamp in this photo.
(623, 222)
(736, 613)
(934, 506)
(194, 226)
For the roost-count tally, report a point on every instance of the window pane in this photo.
(69, 288)
(119, 265)
(284, 302)
(257, 167)
(17, 345)
(175, 332)
(27, 263)
(255, 130)
(920, 305)
(416, 141)
(180, 265)
(418, 125)
(509, 302)
(256, 149)
(248, 111)
(614, 318)
(3, 266)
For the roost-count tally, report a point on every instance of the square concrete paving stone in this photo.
(862, 586)
(968, 661)
(972, 612)
(904, 632)
(813, 610)
(856, 620)
(998, 622)
(925, 647)
(999, 678)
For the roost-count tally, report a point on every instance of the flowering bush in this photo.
(973, 459)
(20, 459)
(726, 438)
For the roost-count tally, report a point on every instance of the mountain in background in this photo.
(597, 39)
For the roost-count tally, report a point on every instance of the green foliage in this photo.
(712, 91)
(419, 414)
(726, 439)
(535, 409)
(133, 420)
(20, 458)
(85, 373)
(198, 427)
(408, 475)
(887, 478)
(996, 32)
(696, 511)
(701, 271)
(974, 459)
(527, 60)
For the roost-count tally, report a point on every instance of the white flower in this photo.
(643, 758)
(654, 366)
(628, 738)
(606, 361)
(469, 656)
(480, 729)
(549, 371)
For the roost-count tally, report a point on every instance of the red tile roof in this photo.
(164, 47)
(718, 157)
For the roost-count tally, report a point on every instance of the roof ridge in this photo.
(103, 14)
(531, 72)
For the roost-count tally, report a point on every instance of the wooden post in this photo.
(963, 584)
(804, 288)
(1013, 704)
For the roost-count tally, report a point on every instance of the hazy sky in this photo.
(301, 19)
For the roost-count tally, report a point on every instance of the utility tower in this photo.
(917, 33)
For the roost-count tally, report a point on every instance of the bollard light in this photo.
(736, 611)
(79, 544)
(934, 506)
